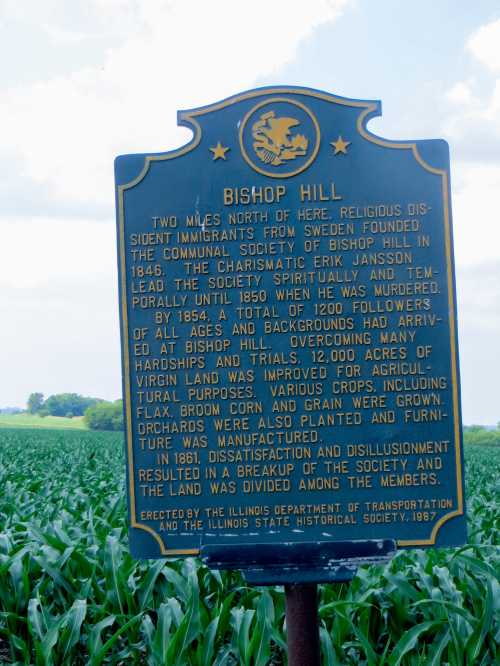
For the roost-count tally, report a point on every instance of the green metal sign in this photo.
(289, 331)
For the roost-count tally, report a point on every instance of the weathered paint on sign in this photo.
(289, 330)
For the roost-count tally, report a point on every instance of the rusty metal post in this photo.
(302, 628)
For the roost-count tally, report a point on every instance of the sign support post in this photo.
(302, 626)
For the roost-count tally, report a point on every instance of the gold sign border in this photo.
(306, 164)
(370, 109)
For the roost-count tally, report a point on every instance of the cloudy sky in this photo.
(83, 81)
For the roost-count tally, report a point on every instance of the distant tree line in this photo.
(98, 414)
(61, 404)
(476, 434)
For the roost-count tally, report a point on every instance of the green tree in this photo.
(105, 416)
(35, 403)
(62, 404)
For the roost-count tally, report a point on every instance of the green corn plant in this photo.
(70, 593)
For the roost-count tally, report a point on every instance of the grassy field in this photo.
(34, 421)
(71, 594)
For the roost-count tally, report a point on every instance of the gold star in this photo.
(340, 145)
(219, 151)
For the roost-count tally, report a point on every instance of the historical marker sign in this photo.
(289, 330)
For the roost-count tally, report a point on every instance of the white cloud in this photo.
(59, 309)
(472, 126)
(183, 53)
(27, 10)
(37, 253)
(63, 36)
(475, 220)
(473, 119)
(484, 45)
(461, 94)
(478, 289)
(62, 336)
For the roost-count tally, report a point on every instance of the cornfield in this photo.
(71, 594)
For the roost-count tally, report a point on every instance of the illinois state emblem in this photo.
(279, 137)
(273, 143)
